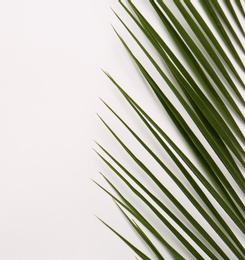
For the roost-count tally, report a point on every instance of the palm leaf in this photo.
(216, 20)
(209, 90)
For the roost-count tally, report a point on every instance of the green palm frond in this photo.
(204, 71)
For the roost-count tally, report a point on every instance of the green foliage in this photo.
(209, 91)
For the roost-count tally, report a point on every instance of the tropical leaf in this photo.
(204, 72)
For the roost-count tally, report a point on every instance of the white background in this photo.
(51, 53)
(50, 79)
